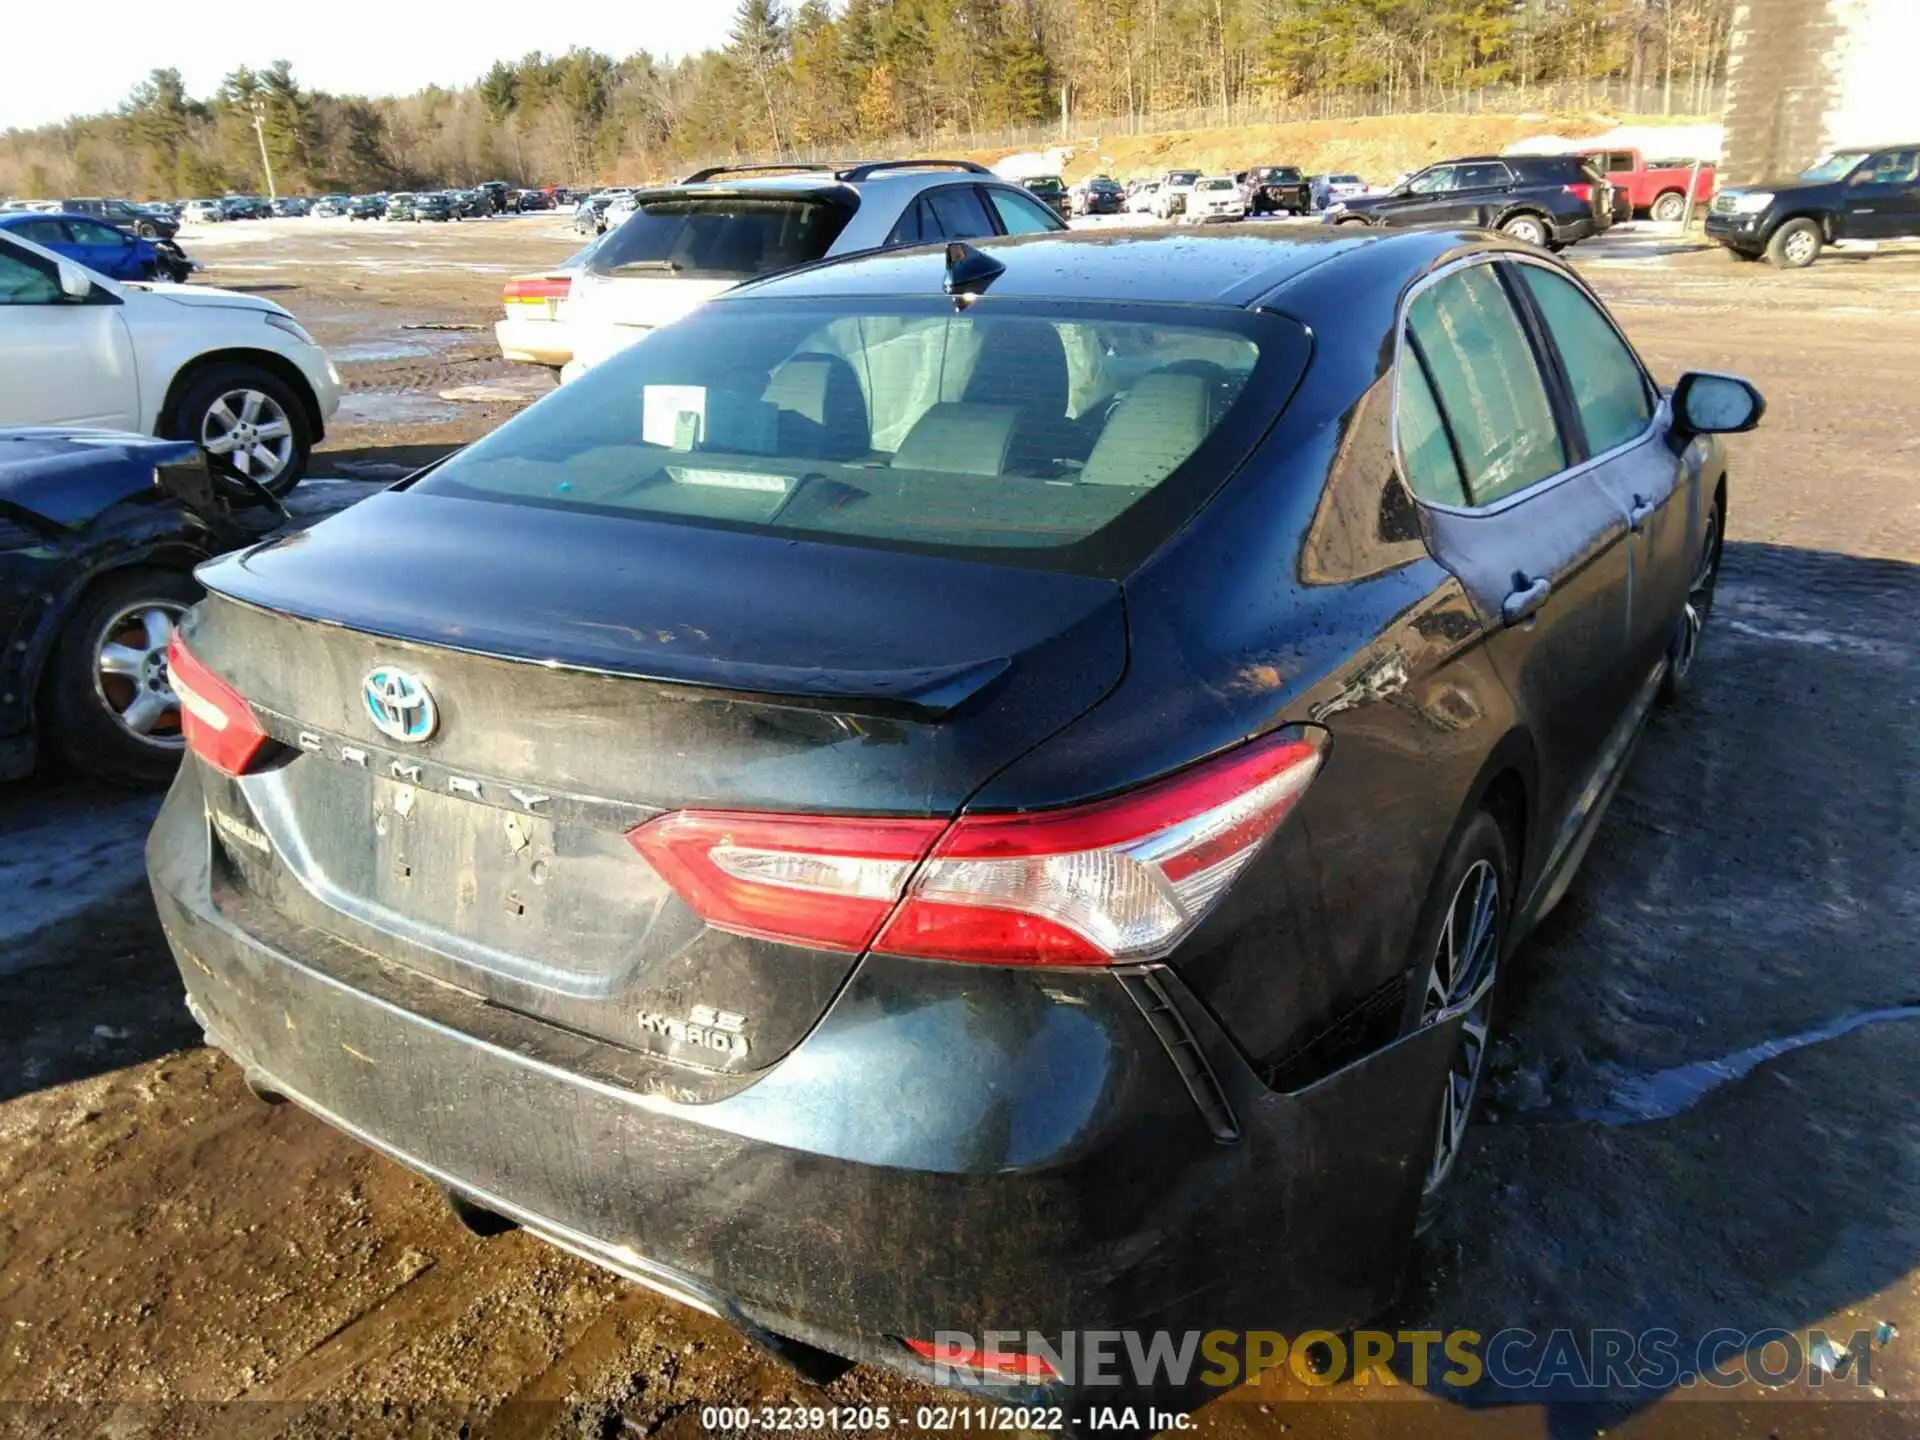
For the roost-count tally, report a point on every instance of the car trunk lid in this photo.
(586, 675)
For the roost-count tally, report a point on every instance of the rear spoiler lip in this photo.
(925, 694)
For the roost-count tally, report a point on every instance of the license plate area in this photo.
(548, 900)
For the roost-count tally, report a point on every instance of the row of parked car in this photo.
(1261, 190)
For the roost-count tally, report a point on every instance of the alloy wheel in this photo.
(1800, 246)
(1693, 617)
(1465, 964)
(130, 672)
(251, 430)
(1529, 232)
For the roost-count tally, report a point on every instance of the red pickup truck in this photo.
(1651, 187)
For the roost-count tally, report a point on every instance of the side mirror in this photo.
(1708, 403)
(74, 283)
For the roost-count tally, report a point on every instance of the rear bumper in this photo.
(951, 1148)
(536, 342)
(1573, 230)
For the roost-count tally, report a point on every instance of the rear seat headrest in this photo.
(822, 393)
(960, 439)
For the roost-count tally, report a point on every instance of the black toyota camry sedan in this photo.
(958, 789)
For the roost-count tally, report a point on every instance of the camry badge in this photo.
(399, 705)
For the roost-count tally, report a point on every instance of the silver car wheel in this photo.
(1693, 617)
(251, 430)
(130, 672)
(1526, 229)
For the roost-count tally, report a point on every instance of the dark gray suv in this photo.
(1550, 200)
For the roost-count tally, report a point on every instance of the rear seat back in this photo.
(1158, 423)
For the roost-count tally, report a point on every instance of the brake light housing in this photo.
(215, 718)
(1113, 881)
(820, 880)
(1006, 1364)
(542, 287)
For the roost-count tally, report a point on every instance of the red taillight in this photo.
(1120, 879)
(826, 881)
(544, 287)
(1115, 880)
(984, 1362)
(1583, 192)
(215, 717)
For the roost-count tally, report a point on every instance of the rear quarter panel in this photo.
(1305, 595)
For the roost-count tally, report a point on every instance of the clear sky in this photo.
(63, 59)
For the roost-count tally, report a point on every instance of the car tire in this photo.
(1457, 964)
(1668, 206)
(1527, 229)
(1795, 245)
(103, 723)
(1349, 220)
(193, 418)
(1683, 650)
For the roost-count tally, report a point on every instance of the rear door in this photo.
(1480, 192)
(1621, 427)
(1537, 540)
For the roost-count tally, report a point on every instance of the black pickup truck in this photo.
(1857, 194)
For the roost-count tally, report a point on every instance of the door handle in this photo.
(1523, 603)
(1637, 516)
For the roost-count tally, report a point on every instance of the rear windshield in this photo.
(1284, 174)
(721, 237)
(1056, 436)
(1182, 177)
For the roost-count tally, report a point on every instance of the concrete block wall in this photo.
(1804, 76)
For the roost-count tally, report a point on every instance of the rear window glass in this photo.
(721, 237)
(1027, 432)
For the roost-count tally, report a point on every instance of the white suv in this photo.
(685, 243)
(1170, 200)
(236, 373)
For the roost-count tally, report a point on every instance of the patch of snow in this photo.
(63, 855)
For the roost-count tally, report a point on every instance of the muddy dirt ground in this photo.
(177, 1258)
